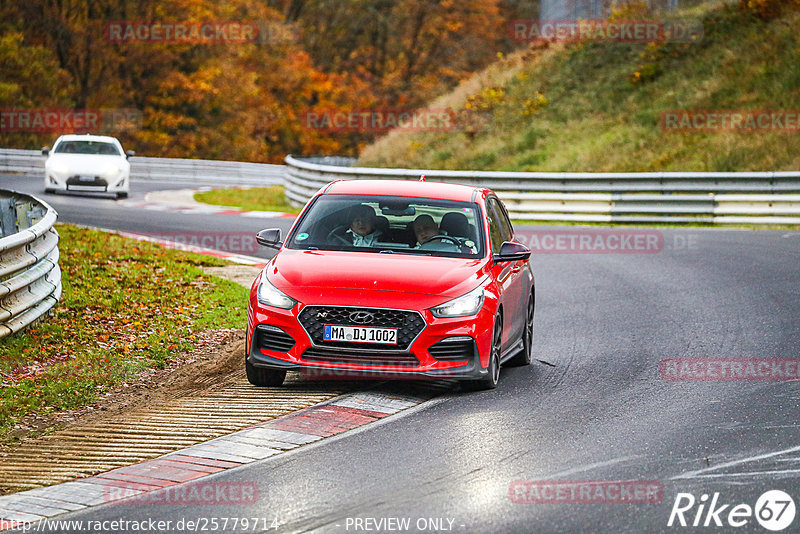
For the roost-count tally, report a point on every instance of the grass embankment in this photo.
(597, 107)
(252, 199)
(127, 306)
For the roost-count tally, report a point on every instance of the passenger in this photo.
(363, 230)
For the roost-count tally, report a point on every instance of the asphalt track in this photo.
(103, 211)
(594, 407)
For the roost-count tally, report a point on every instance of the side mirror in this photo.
(270, 237)
(129, 154)
(511, 251)
(45, 151)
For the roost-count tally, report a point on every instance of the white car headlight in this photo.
(58, 167)
(462, 306)
(110, 170)
(272, 296)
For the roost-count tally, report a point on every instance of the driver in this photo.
(424, 229)
(427, 231)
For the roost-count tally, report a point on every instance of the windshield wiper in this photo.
(409, 253)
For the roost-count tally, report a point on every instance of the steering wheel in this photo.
(441, 238)
(447, 237)
(335, 235)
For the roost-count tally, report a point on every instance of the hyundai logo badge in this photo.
(362, 317)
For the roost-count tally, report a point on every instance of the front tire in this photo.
(122, 195)
(261, 377)
(493, 370)
(49, 191)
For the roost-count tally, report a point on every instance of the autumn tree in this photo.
(30, 77)
(244, 100)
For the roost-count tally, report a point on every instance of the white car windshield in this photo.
(385, 224)
(87, 147)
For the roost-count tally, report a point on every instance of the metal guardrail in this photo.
(195, 171)
(654, 197)
(650, 197)
(30, 279)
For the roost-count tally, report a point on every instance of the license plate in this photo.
(360, 334)
(84, 178)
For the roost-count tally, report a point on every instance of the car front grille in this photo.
(273, 338)
(453, 348)
(408, 323)
(96, 181)
(376, 359)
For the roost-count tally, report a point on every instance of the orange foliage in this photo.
(241, 101)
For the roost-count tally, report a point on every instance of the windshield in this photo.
(87, 147)
(377, 224)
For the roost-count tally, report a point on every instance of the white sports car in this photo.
(87, 163)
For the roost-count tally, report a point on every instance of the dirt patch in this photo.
(241, 274)
(205, 396)
(219, 353)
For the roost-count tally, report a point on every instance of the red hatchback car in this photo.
(393, 279)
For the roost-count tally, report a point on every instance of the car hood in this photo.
(302, 273)
(87, 163)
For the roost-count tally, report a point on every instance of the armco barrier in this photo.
(193, 171)
(30, 279)
(649, 197)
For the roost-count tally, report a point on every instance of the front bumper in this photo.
(97, 184)
(293, 347)
(470, 371)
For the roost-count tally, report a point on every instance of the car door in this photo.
(509, 275)
(522, 268)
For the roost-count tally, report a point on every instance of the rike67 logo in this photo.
(774, 510)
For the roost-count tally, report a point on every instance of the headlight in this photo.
(462, 306)
(58, 168)
(110, 170)
(272, 296)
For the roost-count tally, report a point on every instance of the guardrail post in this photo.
(34, 214)
(23, 208)
(8, 216)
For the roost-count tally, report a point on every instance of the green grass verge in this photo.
(253, 199)
(127, 306)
